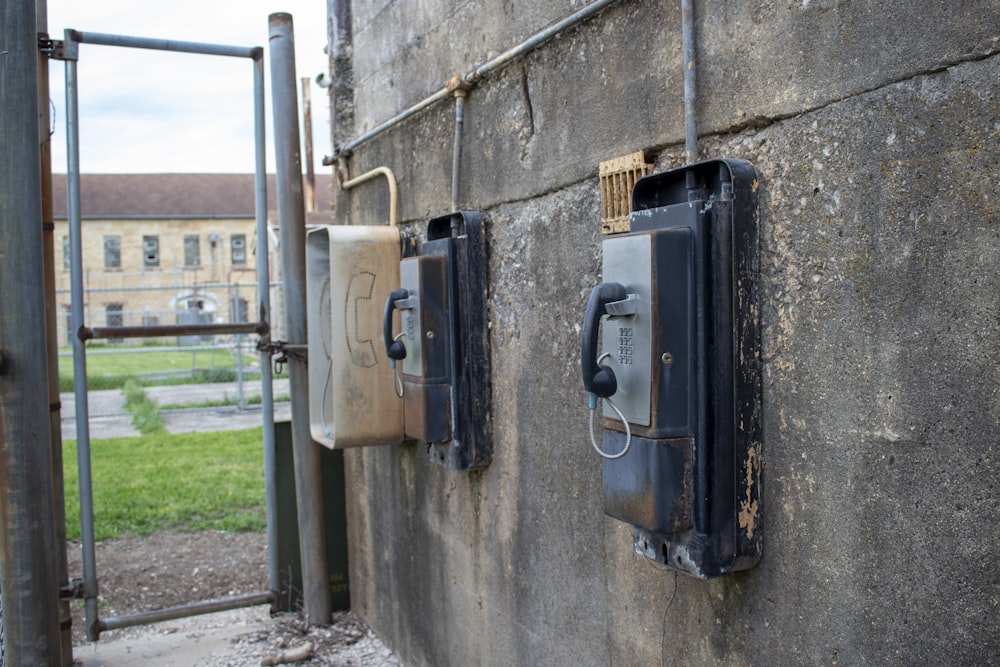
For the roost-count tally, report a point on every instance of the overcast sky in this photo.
(157, 112)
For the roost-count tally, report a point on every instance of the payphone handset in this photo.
(623, 367)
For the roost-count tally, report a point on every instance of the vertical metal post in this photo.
(690, 112)
(79, 353)
(264, 308)
(307, 131)
(291, 219)
(52, 339)
(29, 589)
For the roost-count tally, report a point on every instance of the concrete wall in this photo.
(876, 135)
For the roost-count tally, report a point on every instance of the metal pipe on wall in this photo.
(477, 74)
(291, 220)
(393, 189)
(690, 117)
(29, 590)
(536, 40)
(52, 339)
(456, 156)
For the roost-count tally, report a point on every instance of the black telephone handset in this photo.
(394, 348)
(598, 380)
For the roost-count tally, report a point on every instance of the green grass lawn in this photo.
(188, 481)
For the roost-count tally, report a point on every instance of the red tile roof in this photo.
(168, 195)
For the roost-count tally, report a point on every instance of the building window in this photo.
(192, 251)
(112, 252)
(241, 310)
(238, 243)
(114, 314)
(68, 312)
(150, 251)
(66, 253)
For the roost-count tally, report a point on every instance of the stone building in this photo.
(165, 248)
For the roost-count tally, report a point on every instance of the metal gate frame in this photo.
(68, 51)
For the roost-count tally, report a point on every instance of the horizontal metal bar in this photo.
(201, 287)
(186, 610)
(253, 52)
(88, 333)
(169, 216)
(142, 349)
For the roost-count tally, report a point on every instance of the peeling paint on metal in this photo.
(749, 507)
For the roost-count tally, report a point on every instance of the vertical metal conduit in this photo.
(291, 220)
(456, 156)
(690, 113)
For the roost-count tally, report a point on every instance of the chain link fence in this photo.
(179, 377)
(179, 374)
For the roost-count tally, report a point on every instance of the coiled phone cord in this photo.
(593, 410)
(397, 382)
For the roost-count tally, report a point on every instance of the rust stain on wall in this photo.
(749, 508)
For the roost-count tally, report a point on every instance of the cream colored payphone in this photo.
(350, 272)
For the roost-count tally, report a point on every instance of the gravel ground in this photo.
(170, 568)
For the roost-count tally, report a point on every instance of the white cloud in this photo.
(151, 111)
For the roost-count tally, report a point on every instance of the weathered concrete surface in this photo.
(880, 246)
(882, 401)
(614, 85)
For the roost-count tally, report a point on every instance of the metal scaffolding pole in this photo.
(81, 406)
(29, 590)
(291, 219)
(264, 314)
(69, 51)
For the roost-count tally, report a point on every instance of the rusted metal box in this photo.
(427, 337)
(443, 346)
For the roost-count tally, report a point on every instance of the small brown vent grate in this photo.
(618, 175)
